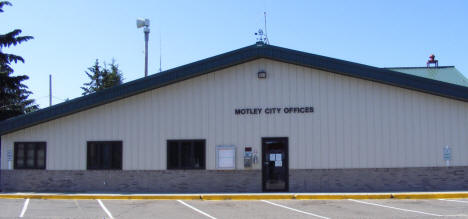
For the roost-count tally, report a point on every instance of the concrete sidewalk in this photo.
(239, 196)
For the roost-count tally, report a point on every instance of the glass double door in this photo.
(275, 177)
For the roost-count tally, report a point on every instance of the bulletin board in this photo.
(226, 157)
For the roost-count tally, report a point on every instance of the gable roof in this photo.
(256, 51)
(447, 74)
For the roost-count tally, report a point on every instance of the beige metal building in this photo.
(261, 118)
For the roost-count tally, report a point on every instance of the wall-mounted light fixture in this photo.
(262, 74)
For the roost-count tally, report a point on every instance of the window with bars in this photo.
(104, 155)
(30, 155)
(186, 154)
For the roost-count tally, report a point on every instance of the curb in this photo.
(109, 197)
(247, 196)
(244, 196)
(429, 195)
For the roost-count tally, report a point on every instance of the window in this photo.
(104, 155)
(186, 154)
(30, 155)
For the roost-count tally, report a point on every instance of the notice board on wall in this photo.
(225, 157)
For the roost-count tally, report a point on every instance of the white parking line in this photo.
(25, 206)
(293, 209)
(104, 208)
(450, 200)
(195, 209)
(78, 205)
(401, 209)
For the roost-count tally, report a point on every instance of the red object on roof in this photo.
(432, 60)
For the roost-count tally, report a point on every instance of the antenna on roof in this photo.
(262, 37)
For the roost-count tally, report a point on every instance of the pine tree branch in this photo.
(12, 38)
(3, 3)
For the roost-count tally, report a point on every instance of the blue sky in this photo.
(70, 35)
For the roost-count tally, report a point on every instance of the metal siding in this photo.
(230, 59)
(356, 123)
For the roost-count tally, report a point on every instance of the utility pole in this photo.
(50, 90)
(145, 23)
(147, 31)
(160, 51)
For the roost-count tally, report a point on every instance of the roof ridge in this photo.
(446, 66)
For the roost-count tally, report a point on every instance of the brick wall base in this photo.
(127, 181)
(206, 181)
(380, 179)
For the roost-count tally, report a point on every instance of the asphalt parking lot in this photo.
(384, 208)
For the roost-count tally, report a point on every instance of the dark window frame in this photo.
(36, 149)
(179, 142)
(99, 165)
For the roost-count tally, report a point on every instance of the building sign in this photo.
(274, 110)
(10, 155)
(9, 158)
(447, 153)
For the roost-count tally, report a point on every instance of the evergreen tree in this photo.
(102, 77)
(113, 76)
(13, 93)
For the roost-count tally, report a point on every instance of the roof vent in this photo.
(432, 60)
